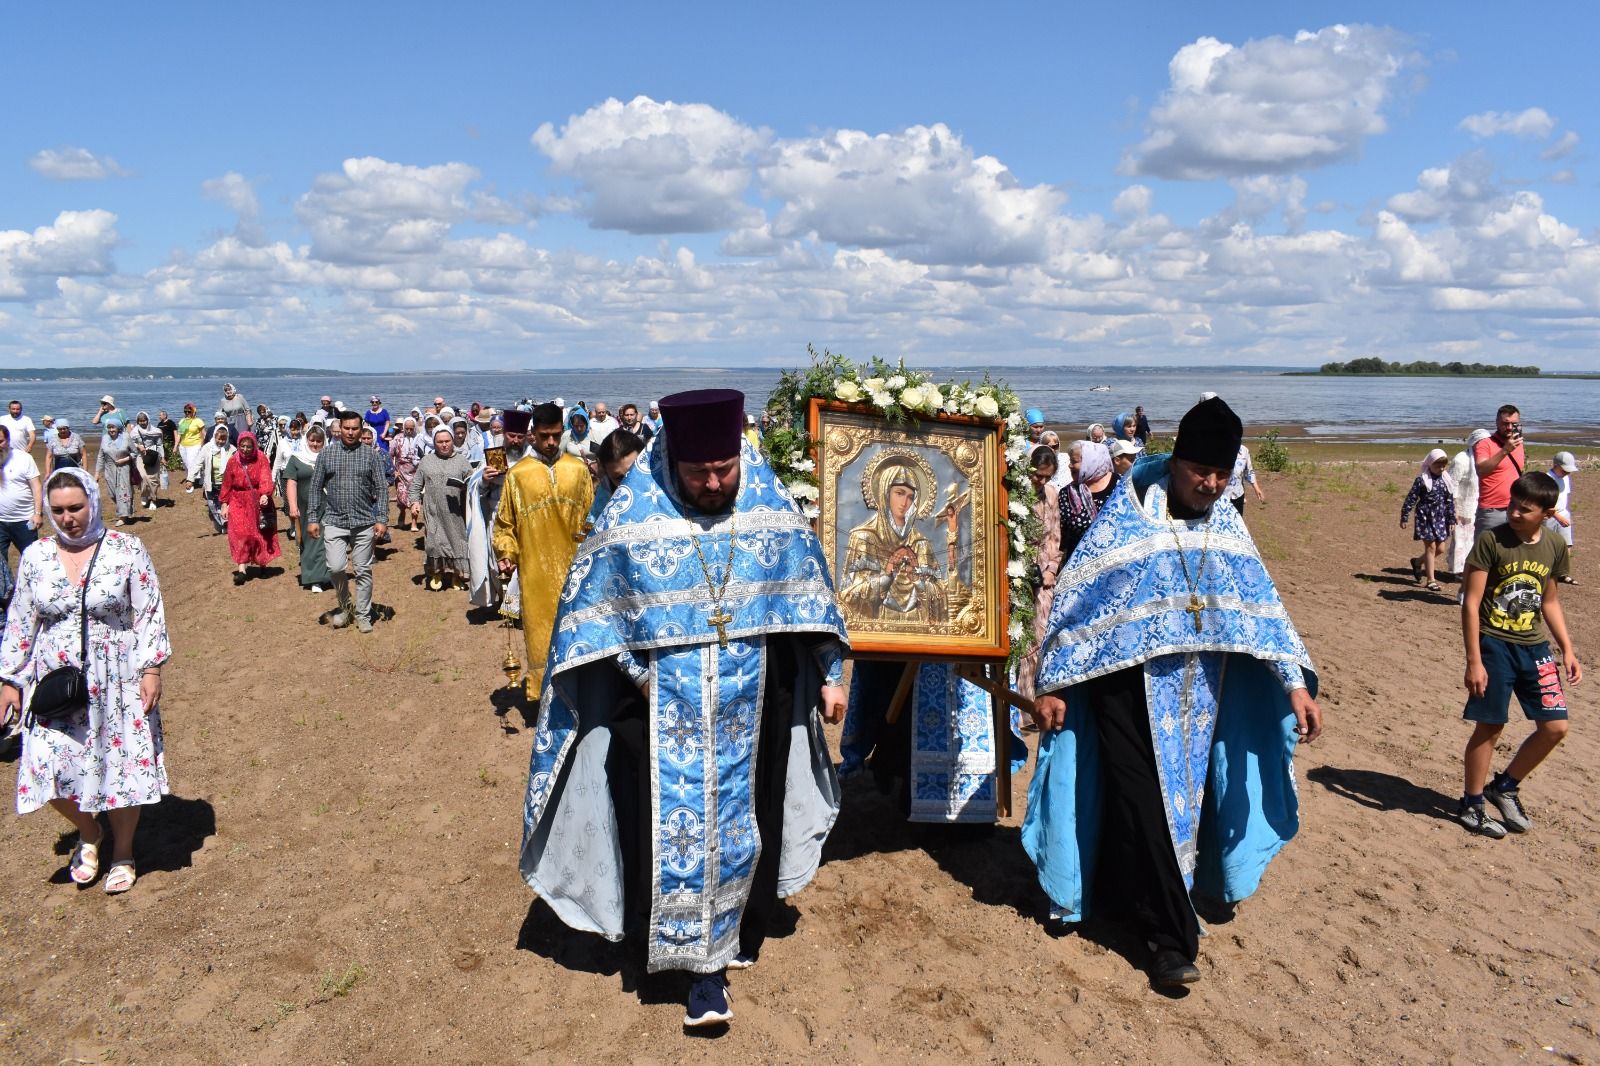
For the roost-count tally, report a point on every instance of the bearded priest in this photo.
(1174, 692)
(680, 783)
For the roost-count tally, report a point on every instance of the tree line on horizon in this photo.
(1374, 365)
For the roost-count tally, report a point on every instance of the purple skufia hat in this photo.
(704, 426)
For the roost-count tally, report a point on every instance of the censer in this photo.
(512, 666)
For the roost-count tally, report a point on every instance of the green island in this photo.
(1373, 366)
(162, 373)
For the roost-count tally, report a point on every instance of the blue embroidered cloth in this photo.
(953, 766)
(1219, 713)
(640, 589)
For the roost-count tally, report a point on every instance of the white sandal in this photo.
(121, 877)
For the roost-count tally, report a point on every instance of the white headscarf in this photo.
(1428, 480)
(96, 528)
(1096, 462)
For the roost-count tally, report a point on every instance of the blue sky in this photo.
(410, 185)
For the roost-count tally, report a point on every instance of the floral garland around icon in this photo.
(903, 394)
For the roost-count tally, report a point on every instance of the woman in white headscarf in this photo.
(89, 598)
(439, 492)
(236, 409)
(144, 436)
(406, 452)
(1463, 473)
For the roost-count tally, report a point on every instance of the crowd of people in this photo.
(684, 640)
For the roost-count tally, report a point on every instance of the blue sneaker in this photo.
(708, 1002)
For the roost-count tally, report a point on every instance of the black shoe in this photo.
(1170, 969)
(708, 1002)
(239, 579)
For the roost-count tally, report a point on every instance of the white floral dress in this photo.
(113, 758)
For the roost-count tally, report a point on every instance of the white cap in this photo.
(1566, 461)
(1204, 396)
(1123, 447)
(107, 399)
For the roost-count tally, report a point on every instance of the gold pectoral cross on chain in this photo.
(721, 618)
(1194, 609)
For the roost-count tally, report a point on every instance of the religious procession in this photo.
(700, 594)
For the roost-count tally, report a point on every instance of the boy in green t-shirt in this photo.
(1519, 565)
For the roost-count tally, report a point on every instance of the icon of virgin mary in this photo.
(890, 572)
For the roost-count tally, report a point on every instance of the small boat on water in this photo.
(1100, 388)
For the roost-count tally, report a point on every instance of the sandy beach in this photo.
(334, 878)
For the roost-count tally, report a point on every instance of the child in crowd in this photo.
(1511, 581)
(1562, 467)
(1433, 495)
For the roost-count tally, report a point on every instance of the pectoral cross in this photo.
(721, 618)
(1194, 609)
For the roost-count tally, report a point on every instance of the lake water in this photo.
(1385, 407)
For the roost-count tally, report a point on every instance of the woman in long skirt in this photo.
(106, 757)
(441, 485)
(314, 574)
(247, 509)
(115, 465)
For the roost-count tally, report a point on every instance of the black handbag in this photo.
(62, 695)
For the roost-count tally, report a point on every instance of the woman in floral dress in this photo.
(247, 509)
(108, 758)
(406, 452)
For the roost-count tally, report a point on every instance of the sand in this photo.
(334, 879)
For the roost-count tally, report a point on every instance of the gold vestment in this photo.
(539, 525)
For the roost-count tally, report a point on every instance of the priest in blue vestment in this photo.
(680, 784)
(1174, 690)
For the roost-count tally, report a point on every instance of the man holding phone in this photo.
(1500, 462)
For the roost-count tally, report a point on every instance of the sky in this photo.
(410, 186)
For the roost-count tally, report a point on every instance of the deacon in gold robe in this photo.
(537, 528)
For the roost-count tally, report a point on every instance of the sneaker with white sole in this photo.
(708, 1002)
(1473, 817)
(1509, 804)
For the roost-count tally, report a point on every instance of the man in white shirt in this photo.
(20, 425)
(21, 505)
(600, 423)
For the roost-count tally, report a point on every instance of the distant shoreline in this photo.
(168, 373)
(1434, 374)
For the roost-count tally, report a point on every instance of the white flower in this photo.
(1017, 568)
(932, 398)
(896, 382)
(882, 399)
(1015, 631)
(1013, 420)
(810, 510)
(1018, 509)
(801, 491)
(847, 390)
(805, 466)
(911, 398)
(986, 407)
(873, 384)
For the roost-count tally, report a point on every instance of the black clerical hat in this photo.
(704, 426)
(1209, 435)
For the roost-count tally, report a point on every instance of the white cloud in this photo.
(921, 193)
(77, 243)
(74, 164)
(648, 167)
(233, 191)
(1561, 148)
(1531, 124)
(374, 209)
(1270, 106)
(1463, 186)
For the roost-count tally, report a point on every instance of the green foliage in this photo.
(1374, 365)
(1271, 455)
(1159, 445)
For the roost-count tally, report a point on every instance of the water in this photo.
(1388, 408)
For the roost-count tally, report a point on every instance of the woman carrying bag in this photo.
(81, 661)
